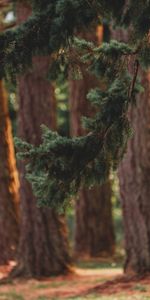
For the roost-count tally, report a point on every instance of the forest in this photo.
(74, 149)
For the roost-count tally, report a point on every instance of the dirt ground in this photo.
(84, 284)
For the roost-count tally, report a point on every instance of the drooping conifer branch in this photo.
(59, 165)
(53, 23)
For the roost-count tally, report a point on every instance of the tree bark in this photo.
(94, 234)
(43, 248)
(134, 175)
(134, 179)
(9, 185)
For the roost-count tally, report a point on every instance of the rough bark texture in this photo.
(94, 234)
(9, 185)
(134, 174)
(134, 179)
(43, 249)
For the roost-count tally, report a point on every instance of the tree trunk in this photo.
(9, 185)
(134, 179)
(134, 174)
(43, 249)
(94, 234)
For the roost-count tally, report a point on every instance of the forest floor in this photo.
(90, 281)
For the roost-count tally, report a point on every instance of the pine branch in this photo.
(58, 166)
(53, 23)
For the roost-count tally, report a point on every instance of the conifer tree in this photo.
(43, 248)
(51, 30)
(74, 161)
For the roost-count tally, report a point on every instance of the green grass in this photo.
(11, 296)
(41, 286)
(140, 288)
(50, 284)
(42, 298)
(98, 297)
(117, 297)
(98, 265)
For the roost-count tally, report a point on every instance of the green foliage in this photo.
(58, 166)
(62, 95)
(137, 14)
(13, 104)
(144, 55)
(54, 23)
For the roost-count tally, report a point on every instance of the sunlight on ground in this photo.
(91, 284)
(13, 296)
(95, 297)
(69, 287)
(103, 272)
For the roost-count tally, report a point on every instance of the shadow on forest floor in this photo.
(92, 280)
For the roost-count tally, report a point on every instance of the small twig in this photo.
(132, 85)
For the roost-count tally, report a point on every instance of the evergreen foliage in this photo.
(54, 23)
(58, 166)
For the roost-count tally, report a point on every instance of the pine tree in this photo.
(60, 165)
(74, 161)
(43, 247)
(94, 235)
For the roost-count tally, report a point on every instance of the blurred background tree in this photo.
(9, 182)
(43, 248)
(94, 232)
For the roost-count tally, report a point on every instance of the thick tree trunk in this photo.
(134, 179)
(43, 249)
(94, 234)
(9, 185)
(134, 174)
